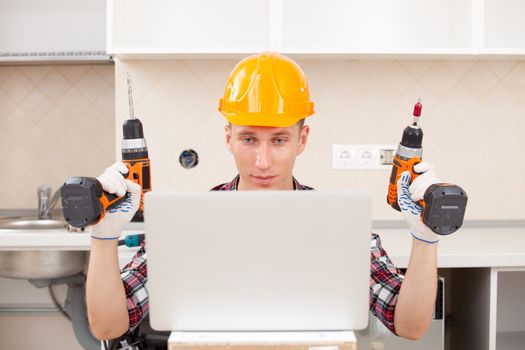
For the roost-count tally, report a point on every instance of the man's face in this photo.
(265, 156)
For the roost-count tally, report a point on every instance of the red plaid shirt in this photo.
(385, 278)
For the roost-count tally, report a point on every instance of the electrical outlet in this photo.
(362, 156)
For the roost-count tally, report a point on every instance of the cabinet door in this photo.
(191, 26)
(375, 25)
(504, 25)
(52, 26)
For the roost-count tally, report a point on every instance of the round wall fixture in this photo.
(189, 159)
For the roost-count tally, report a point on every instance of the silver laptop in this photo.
(258, 260)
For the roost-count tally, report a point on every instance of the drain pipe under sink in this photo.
(75, 307)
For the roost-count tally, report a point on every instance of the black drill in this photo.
(85, 203)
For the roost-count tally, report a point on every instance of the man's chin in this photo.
(265, 188)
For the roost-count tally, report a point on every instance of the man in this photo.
(265, 102)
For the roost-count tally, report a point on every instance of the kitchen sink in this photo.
(38, 264)
(41, 264)
(33, 224)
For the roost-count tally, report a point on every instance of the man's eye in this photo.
(247, 140)
(280, 140)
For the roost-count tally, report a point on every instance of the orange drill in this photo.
(85, 203)
(135, 154)
(443, 204)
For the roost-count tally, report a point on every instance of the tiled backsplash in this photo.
(473, 119)
(56, 121)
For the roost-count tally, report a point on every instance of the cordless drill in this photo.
(443, 204)
(84, 201)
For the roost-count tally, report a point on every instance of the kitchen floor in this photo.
(37, 332)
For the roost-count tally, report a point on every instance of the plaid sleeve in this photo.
(134, 277)
(385, 283)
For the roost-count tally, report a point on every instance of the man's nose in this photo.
(263, 159)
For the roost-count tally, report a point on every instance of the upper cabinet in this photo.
(187, 27)
(313, 27)
(378, 26)
(503, 26)
(52, 30)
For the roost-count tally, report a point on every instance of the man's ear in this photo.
(228, 131)
(303, 138)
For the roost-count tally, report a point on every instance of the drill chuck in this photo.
(133, 144)
(412, 137)
(132, 129)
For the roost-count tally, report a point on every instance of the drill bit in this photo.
(130, 98)
(417, 111)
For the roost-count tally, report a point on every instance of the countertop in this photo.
(477, 246)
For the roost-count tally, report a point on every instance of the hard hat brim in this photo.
(275, 120)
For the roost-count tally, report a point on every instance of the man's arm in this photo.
(417, 296)
(105, 295)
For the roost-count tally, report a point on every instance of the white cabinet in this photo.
(52, 29)
(487, 308)
(181, 27)
(380, 26)
(208, 28)
(339, 27)
(503, 26)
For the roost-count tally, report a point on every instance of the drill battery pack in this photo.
(445, 208)
(84, 202)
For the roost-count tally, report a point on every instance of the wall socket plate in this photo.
(363, 156)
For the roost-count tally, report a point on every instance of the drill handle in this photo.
(111, 200)
(414, 174)
(398, 167)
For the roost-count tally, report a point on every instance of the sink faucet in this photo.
(45, 204)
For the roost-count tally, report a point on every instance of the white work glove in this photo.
(408, 196)
(116, 218)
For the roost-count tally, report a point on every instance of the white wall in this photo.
(473, 119)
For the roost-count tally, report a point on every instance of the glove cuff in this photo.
(422, 233)
(106, 229)
(105, 239)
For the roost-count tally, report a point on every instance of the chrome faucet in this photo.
(45, 204)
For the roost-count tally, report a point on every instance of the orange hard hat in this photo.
(267, 89)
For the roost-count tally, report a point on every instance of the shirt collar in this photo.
(234, 185)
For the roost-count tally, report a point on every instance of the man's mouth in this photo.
(263, 179)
